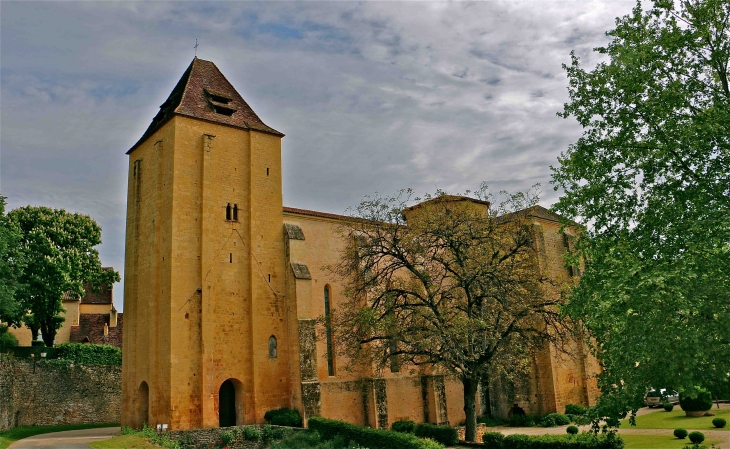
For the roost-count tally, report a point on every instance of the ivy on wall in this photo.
(88, 354)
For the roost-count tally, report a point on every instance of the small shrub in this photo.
(39, 343)
(547, 421)
(521, 421)
(668, 406)
(574, 409)
(270, 433)
(680, 433)
(252, 433)
(403, 426)
(697, 437)
(227, 437)
(695, 399)
(571, 430)
(560, 419)
(445, 435)
(719, 422)
(284, 417)
(493, 440)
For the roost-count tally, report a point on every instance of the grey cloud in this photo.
(373, 96)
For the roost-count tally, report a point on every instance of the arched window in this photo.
(328, 327)
(235, 212)
(272, 347)
(228, 212)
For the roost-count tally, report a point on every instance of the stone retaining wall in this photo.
(211, 438)
(44, 393)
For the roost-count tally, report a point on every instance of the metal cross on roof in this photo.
(196, 48)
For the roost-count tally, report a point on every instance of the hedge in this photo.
(403, 426)
(448, 436)
(580, 441)
(365, 436)
(575, 409)
(493, 439)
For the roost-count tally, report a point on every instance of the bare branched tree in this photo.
(452, 283)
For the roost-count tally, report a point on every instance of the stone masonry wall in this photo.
(42, 393)
(211, 438)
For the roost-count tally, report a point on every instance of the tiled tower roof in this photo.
(204, 93)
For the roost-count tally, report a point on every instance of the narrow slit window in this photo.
(235, 212)
(272, 347)
(328, 327)
(267, 171)
(228, 212)
(230, 257)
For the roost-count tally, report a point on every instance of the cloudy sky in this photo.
(372, 96)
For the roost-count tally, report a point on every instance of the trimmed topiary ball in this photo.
(697, 437)
(719, 422)
(695, 399)
(572, 430)
(680, 433)
(668, 406)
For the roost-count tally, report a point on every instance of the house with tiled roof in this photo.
(89, 319)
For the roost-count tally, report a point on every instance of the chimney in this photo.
(112, 317)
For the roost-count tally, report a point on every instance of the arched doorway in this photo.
(227, 404)
(143, 405)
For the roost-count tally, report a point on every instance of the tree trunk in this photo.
(470, 408)
(486, 400)
(33, 333)
(49, 335)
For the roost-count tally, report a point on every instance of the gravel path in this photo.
(69, 439)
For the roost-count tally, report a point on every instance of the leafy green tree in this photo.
(58, 248)
(451, 284)
(650, 177)
(10, 268)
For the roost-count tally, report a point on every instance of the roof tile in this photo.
(199, 93)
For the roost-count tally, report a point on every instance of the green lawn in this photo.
(18, 433)
(677, 418)
(660, 442)
(124, 441)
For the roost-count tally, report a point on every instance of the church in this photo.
(223, 285)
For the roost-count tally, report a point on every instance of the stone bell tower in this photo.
(205, 263)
